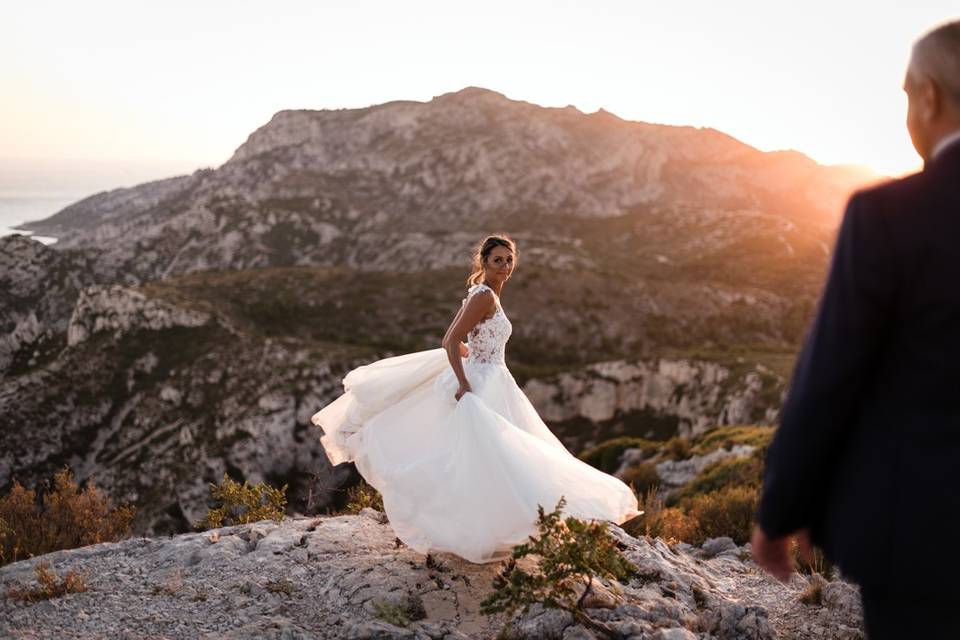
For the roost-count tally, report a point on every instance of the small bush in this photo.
(243, 504)
(391, 613)
(360, 496)
(49, 585)
(727, 512)
(569, 551)
(606, 455)
(744, 471)
(673, 525)
(64, 517)
(678, 448)
(669, 523)
(281, 585)
(642, 477)
(728, 437)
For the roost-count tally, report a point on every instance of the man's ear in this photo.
(931, 99)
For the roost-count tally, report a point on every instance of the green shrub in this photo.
(360, 496)
(746, 471)
(569, 551)
(63, 518)
(391, 613)
(728, 437)
(642, 477)
(678, 448)
(606, 455)
(242, 504)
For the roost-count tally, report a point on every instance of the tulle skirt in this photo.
(460, 477)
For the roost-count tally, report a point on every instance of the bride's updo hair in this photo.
(483, 250)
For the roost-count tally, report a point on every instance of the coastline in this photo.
(16, 210)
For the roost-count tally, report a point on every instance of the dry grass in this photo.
(658, 521)
(813, 594)
(641, 477)
(281, 585)
(741, 471)
(49, 585)
(818, 564)
(63, 518)
(727, 512)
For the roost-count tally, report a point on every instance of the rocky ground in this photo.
(347, 576)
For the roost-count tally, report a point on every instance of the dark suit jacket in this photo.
(867, 454)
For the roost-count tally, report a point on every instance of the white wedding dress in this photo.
(461, 477)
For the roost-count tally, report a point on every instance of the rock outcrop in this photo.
(38, 287)
(347, 577)
(686, 396)
(118, 310)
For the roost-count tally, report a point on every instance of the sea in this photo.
(34, 188)
(17, 208)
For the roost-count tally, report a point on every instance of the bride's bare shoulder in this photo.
(480, 300)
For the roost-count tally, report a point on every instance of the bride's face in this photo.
(499, 264)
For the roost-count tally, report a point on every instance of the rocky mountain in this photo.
(409, 186)
(189, 326)
(160, 389)
(347, 577)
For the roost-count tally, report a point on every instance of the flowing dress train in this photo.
(461, 477)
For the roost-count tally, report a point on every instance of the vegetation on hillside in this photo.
(60, 515)
(719, 501)
(571, 555)
(243, 503)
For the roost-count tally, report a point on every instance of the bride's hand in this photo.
(464, 352)
(462, 390)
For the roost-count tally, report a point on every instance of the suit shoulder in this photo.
(894, 194)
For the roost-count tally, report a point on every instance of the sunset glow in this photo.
(184, 85)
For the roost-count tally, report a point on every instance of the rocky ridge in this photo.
(333, 577)
(409, 186)
(159, 390)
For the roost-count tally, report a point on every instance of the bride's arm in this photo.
(464, 352)
(478, 307)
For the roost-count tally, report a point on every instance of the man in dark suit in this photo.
(866, 461)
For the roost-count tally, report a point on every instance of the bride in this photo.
(453, 445)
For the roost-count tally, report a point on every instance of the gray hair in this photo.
(937, 55)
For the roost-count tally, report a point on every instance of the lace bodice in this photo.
(487, 341)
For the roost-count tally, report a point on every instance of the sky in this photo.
(175, 86)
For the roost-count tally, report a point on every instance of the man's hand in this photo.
(464, 352)
(773, 554)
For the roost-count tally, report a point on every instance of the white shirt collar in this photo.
(945, 142)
